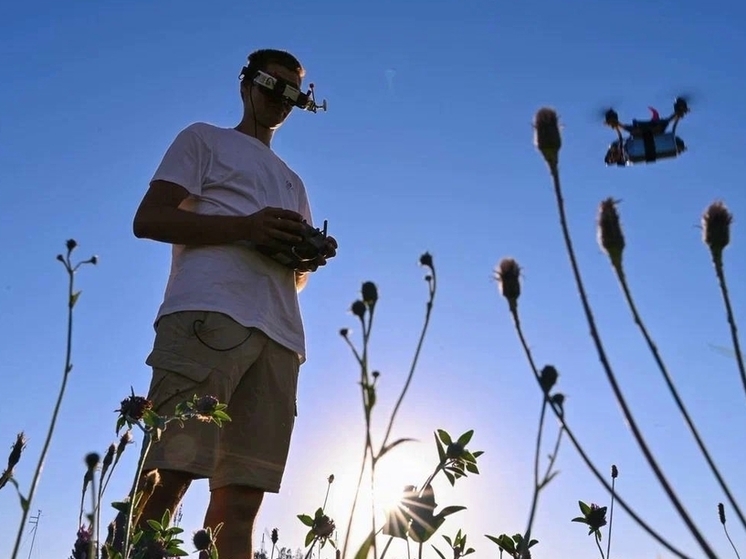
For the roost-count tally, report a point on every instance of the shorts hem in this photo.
(255, 483)
(195, 472)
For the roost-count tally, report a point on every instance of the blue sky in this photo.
(427, 146)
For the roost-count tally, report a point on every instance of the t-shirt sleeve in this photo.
(185, 161)
(304, 206)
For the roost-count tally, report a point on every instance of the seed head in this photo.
(507, 274)
(426, 259)
(610, 235)
(369, 293)
(721, 513)
(716, 228)
(15, 452)
(358, 309)
(202, 540)
(614, 471)
(547, 136)
(548, 378)
(275, 535)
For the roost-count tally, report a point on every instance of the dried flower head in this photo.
(13, 458)
(358, 309)
(547, 136)
(133, 407)
(508, 273)
(610, 235)
(323, 526)
(275, 535)
(203, 540)
(426, 259)
(206, 405)
(369, 293)
(548, 378)
(721, 513)
(716, 228)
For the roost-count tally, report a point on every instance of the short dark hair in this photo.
(260, 59)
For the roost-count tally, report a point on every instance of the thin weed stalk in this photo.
(72, 298)
(511, 291)
(612, 241)
(546, 123)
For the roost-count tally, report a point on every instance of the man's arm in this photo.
(159, 218)
(301, 279)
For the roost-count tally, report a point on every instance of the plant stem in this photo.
(679, 403)
(576, 444)
(147, 439)
(612, 379)
(598, 544)
(66, 374)
(718, 263)
(537, 488)
(611, 519)
(727, 535)
(428, 311)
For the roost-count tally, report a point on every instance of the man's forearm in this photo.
(182, 227)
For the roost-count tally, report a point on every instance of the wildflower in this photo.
(610, 235)
(82, 545)
(344, 332)
(370, 293)
(205, 405)
(91, 460)
(133, 407)
(323, 526)
(716, 228)
(546, 135)
(454, 450)
(71, 244)
(507, 274)
(203, 540)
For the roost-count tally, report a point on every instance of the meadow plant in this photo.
(716, 222)
(414, 519)
(135, 412)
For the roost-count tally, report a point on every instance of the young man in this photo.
(230, 324)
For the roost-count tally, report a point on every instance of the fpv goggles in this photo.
(286, 91)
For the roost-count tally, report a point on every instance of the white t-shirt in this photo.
(230, 173)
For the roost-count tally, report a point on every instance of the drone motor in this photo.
(283, 89)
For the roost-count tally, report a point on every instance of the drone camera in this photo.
(286, 91)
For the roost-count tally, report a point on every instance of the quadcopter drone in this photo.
(648, 140)
(284, 90)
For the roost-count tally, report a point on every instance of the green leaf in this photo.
(440, 553)
(472, 468)
(464, 439)
(364, 550)
(221, 415)
(447, 511)
(74, 298)
(155, 525)
(177, 553)
(451, 477)
(585, 509)
(305, 519)
(444, 437)
(309, 538)
(580, 519)
(448, 540)
(503, 542)
(441, 450)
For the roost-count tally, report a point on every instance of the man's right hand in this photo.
(275, 228)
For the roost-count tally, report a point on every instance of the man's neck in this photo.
(251, 128)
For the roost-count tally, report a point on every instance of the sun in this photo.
(404, 466)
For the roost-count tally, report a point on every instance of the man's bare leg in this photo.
(236, 507)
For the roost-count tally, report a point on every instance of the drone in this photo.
(648, 140)
(285, 91)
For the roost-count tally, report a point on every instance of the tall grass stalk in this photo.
(72, 298)
(547, 131)
(511, 294)
(611, 239)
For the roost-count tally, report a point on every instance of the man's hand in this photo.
(274, 228)
(329, 253)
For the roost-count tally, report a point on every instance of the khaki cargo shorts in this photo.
(208, 353)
